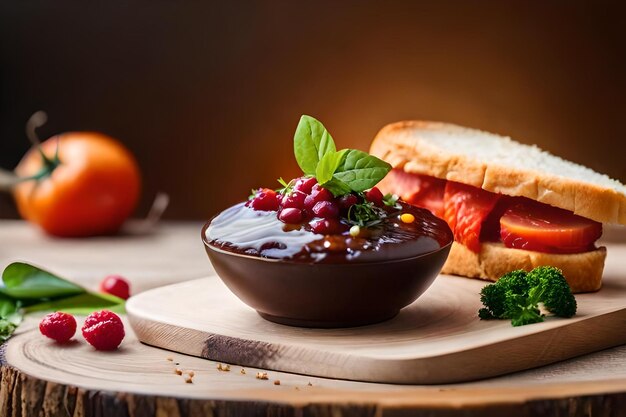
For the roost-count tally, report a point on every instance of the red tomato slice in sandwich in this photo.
(430, 195)
(465, 209)
(419, 190)
(543, 228)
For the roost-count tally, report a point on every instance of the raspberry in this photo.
(58, 326)
(115, 285)
(103, 330)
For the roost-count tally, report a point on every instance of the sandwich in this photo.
(510, 206)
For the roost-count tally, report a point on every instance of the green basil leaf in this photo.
(27, 282)
(8, 306)
(328, 165)
(82, 304)
(8, 326)
(310, 143)
(337, 187)
(361, 171)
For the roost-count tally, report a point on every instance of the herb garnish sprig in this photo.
(286, 186)
(341, 172)
(365, 214)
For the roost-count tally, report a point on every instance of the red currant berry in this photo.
(375, 196)
(115, 285)
(291, 215)
(294, 199)
(321, 194)
(347, 201)
(327, 226)
(103, 330)
(309, 202)
(324, 195)
(58, 326)
(305, 184)
(326, 209)
(265, 199)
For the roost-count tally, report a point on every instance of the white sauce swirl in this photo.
(246, 228)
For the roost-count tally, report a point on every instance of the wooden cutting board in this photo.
(437, 339)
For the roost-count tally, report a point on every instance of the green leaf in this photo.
(391, 200)
(9, 323)
(361, 171)
(328, 165)
(27, 282)
(7, 306)
(337, 187)
(310, 143)
(7, 327)
(82, 304)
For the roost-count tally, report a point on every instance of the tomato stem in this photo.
(38, 119)
(9, 179)
(35, 121)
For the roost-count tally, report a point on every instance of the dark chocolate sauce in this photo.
(242, 230)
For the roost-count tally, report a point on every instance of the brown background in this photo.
(207, 95)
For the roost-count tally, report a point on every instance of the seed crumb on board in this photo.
(242, 372)
(261, 375)
(190, 373)
(178, 371)
(309, 384)
(224, 368)
(169, 358)
(188, 379)
(277, 382)
(297, 388)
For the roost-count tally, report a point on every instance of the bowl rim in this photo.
(214, 248)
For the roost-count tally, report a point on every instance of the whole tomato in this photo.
(87, 184)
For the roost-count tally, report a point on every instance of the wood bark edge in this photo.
(24, 396)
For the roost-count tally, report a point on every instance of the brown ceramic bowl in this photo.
(326, 295)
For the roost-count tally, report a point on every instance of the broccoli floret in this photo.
(516, 282)
(557, 296)
(517, 296)
(494, 296)
(526, 315)
(485, 314)
(523, 308)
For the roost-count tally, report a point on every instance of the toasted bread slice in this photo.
(583, 271)
(501, 165)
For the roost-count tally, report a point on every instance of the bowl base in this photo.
(329, 324)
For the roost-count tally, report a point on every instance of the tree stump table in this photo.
(39, 378)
